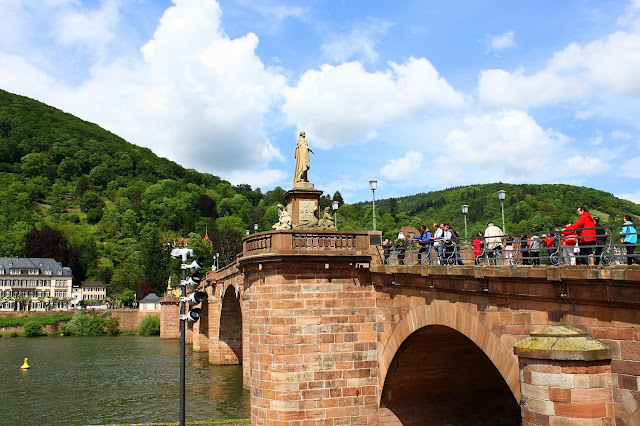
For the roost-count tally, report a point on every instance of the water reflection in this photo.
(127, 379)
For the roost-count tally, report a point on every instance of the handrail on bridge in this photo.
(535, 248)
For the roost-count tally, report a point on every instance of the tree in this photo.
(337, 196)
(155, 257)
(47, 243)
(36, 164)
(207, 206)
(393, 207)
(228, 243)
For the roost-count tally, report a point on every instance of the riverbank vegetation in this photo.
(75, 192)
(149, 326)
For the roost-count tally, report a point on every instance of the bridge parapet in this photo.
(613, 286)
(306, 242)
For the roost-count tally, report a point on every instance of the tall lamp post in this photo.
(501, 196)
(373, 184)
(465, 210)
(335, 206)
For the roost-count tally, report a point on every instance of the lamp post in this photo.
(247, 231)
(465, 210)
(501, 196)
(255, 228)
(335, 206)
(373, 184)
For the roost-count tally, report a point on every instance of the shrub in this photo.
(32, 329)
(91, 324)
(150, 326)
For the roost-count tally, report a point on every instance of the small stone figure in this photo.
(284, 219)
(303, 162)
(327, 220)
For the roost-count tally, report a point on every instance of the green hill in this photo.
(72, 190)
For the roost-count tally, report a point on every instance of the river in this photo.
(112, 380)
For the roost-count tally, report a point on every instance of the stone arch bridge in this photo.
(327, 336)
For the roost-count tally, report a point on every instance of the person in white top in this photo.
(493, 243)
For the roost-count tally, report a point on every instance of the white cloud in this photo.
(403, 168)
(600, 69)
(500, 42)
(621, 135)
(346, 104)
(360, 43)
(629, 168)
(582, 165)
(631, 196)
(596, 139)
(259, 179)
(90, 29)
(507, 145)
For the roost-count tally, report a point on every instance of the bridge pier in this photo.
(565, 378)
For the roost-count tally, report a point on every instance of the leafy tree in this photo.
(150, 326)
(33, 329)
(90, 324)
(207, 206)
(155, 258)
(35, 164)
(227, 243)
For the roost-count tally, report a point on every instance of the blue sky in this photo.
(418, 95)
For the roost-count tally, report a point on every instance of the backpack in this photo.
(454, 236)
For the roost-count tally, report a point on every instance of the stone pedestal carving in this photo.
(303, 205)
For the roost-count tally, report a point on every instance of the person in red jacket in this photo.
(586, 227)
(568, 242)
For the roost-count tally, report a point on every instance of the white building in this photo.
(150, 303)
(35, 284)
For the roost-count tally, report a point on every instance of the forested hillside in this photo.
(76, 192)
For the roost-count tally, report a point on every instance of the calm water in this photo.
(112, 380)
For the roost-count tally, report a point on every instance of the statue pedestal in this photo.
(303, 203)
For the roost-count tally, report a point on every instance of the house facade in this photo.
(35, 284)
(93, 290)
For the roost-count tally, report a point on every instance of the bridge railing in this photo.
(301, 242)
(558, 247)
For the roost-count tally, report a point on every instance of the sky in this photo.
(418, 95)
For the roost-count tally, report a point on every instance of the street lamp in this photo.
(373, 184)
(255, 228)
(465, 210)
(501, 196)
(335, 206)
(247, 231)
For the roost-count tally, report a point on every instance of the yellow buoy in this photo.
(25, 365)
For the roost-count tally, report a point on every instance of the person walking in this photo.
(424, 241)
(438, 241)
(568, 242)
(601, 240)
(586, 230)
(630, 239)
(493, 243)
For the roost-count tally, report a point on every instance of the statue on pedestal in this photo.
(303, 162)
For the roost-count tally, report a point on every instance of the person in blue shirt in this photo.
(630, 239)
(424, 240)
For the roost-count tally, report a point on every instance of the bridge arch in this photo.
(228, 349)
(442, 313)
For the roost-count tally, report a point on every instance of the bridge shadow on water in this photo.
(439, 376)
